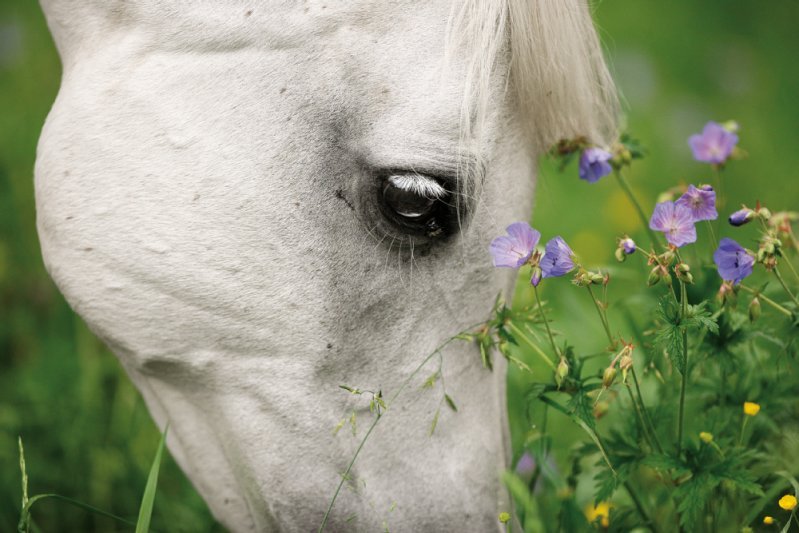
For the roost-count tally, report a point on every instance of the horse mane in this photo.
(550, 58)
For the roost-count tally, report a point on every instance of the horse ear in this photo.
(558, 72)
(556, 69)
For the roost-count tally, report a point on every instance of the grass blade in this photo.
(148, 499)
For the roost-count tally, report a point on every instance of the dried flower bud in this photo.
(608, 377)
(625, 363)
(601, 408)
(754, 309)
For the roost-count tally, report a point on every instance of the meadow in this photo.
(86, 431)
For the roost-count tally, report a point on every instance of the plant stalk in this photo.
(684, 302)
(546, 322)
(629, 192)
(766, 299)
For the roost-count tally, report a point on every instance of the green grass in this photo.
(86, 431)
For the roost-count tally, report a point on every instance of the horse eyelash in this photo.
(418, 184)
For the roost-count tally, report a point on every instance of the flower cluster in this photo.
(692, 347)
(518, 248)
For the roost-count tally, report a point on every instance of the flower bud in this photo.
(754, 309)
(741, 217)
(731, 125)
(658, 274)
(628, 245)
(654, 277)
(706, 437)
(764, 213)
(727, 295)
(608, 377)
(535, 277)
(596, 278)
(683, 273)
(620, 255)
(561, 372)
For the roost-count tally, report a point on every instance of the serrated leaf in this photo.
(665, 462)
(606, 485)
(693, 496)
(580, 405)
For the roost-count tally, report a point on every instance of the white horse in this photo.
(255, 201)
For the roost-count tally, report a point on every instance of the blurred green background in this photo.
(86, 431)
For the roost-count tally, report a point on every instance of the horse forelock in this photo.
(547, 54)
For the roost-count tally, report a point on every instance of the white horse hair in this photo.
(220, 195)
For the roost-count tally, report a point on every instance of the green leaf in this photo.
(665, 462)
(431, 380)
(580, 405)
(148, 499)
(606, 484)
(450, 402)
(434, 423)
(693, 496)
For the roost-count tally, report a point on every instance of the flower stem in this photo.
(766, 299)
(784, 286)
(629, 192)
(534, 346)
(684, 302)
(640, 508)
(640, 417)
(644, 410)
(546, 322)
(603, 317)
(791, 268)
(712, 234)
(377, 419)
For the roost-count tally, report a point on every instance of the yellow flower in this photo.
(788, 502)
(768, 520)
(751, 408)
(706, 437)
(504, 518)
(601, 511)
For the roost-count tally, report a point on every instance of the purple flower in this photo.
(741, 217)
(515, 249)
(557, 259)
(714, 144)
(526, 465)
(676, 221)
(594, 164)
(733, 261)
(701, 202)
(628, 245)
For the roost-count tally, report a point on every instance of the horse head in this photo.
(253, 203)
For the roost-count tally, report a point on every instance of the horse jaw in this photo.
(203, 203)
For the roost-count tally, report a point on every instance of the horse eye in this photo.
(415, 202)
